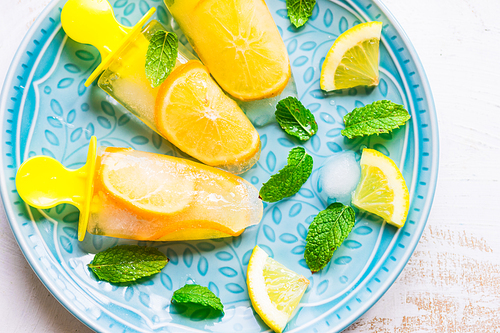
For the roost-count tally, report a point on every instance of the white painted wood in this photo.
(452, 282)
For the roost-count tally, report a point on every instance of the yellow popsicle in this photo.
(144, 196)
(239, 43)
(147, 196)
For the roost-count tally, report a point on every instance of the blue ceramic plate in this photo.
(47, 110)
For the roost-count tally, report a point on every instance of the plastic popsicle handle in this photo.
(93, 22)
(43, 182)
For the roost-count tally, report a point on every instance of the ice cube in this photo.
(339, 177)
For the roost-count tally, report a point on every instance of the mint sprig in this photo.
(161, 56)
(125, 263)
(295, 119)
(299, 11)
(290, 179)
(326, 233)
(193, 293)
(375, 118)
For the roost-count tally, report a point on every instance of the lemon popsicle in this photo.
(124, 53)
(145, 196)
(239, 43)
(131, 194)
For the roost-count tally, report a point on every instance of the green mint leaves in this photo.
(125, 263)
(295, 119)
(161, 56)
(299, 11)
(375, 118)
(326, 233)
(290, 179)
(193, 293)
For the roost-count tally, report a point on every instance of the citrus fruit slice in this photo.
(382, 189)
(145, 183)
(194, 114)
(275, 291)
(239, 42)
(353, 58)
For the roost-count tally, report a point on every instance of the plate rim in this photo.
(434, 169)
(13, 67)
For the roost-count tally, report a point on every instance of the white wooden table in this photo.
(452, 281)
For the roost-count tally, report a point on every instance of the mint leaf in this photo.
(193, 293)
(326, 233)
(295, 119)
(378, 117)
(125, 263)
(299, 11)
(161, 56)
(290, 179)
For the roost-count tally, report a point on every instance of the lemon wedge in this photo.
(382, 189)
(275, 291)
(353, 58)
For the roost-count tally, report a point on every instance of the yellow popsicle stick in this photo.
(43, 182)
(93, 22)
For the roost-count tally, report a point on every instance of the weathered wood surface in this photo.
(452, 281)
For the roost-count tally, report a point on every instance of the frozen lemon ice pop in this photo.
(131, 194)
(124, 50)
(239, 43)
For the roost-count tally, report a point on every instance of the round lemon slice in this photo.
(145, 182)
(275, 291)
(382, 189)
(194, 114)
(353, 58)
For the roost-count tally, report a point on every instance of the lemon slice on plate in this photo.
(275, 291)
(382, 189)
(353, 58)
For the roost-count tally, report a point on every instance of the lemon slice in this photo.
(275, 291)
(147, 183)
(382, 189)
(194, 114)
(353, 58)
